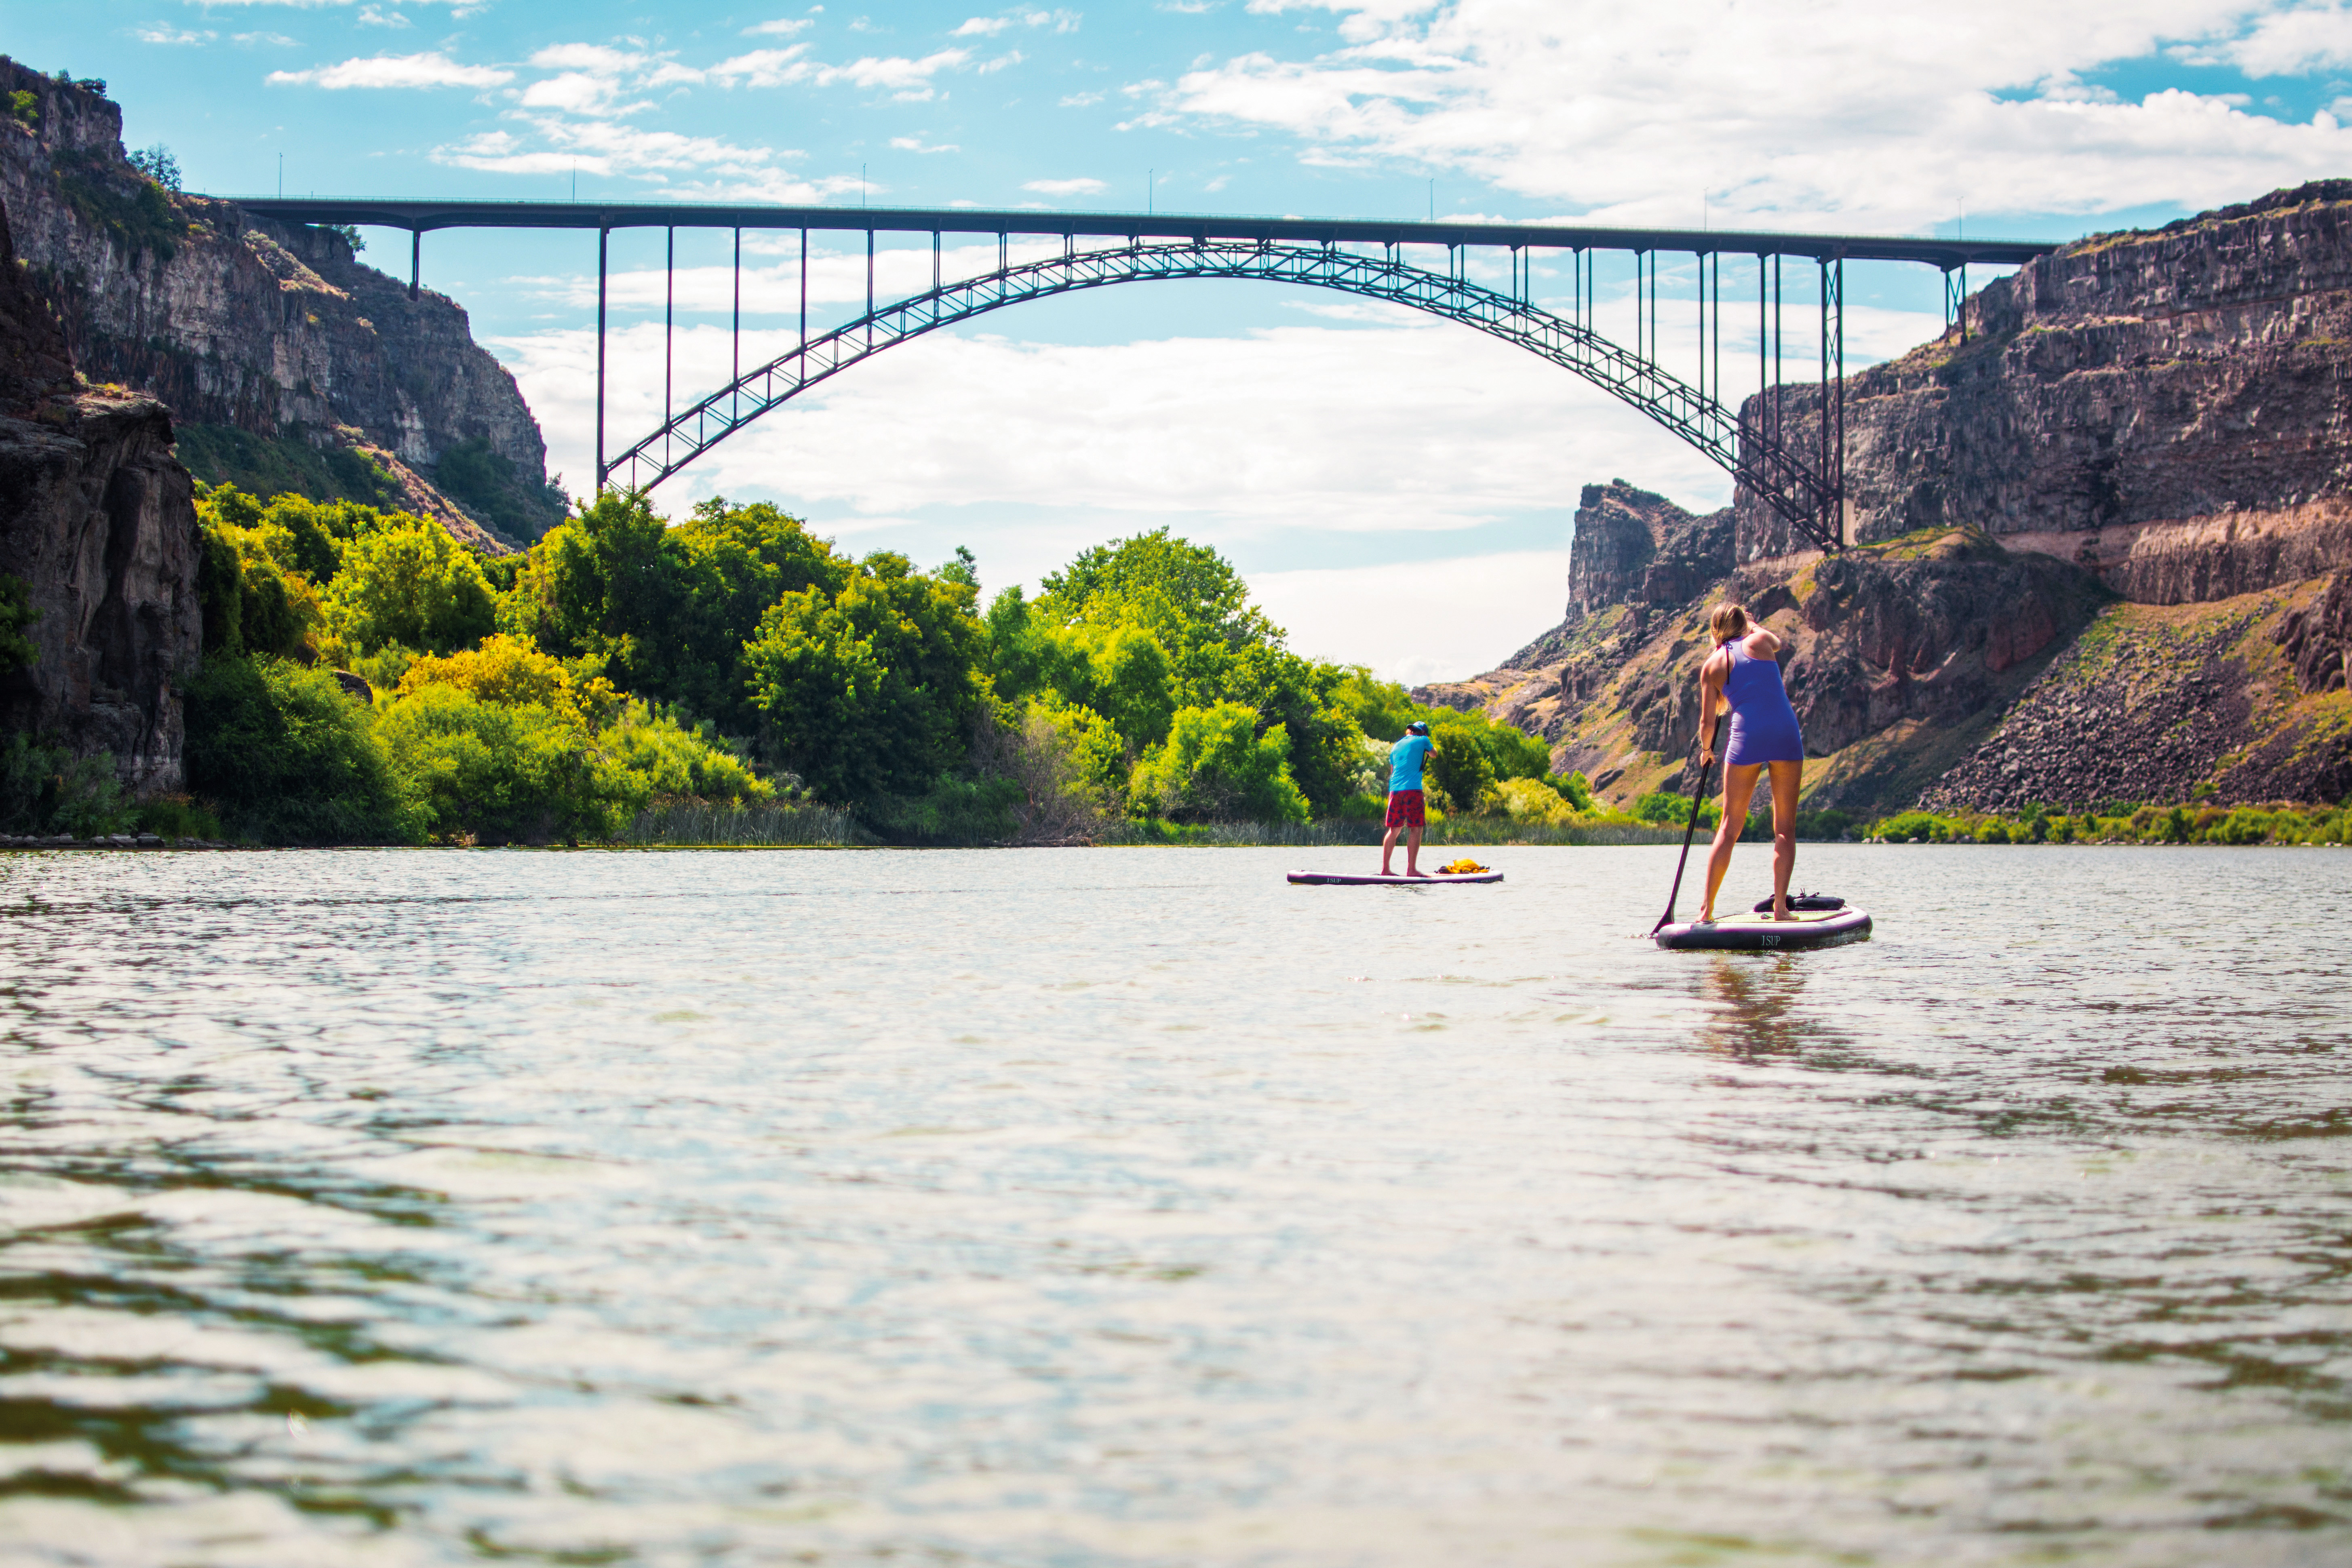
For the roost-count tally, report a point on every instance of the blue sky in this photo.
(1398, 490)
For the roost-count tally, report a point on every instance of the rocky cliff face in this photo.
(2166, 409)
(2163, 418)
(237, 322)
(1885, 645)
(99, 520)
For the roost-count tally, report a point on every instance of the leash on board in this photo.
(1689, 828)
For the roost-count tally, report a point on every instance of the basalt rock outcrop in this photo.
(242, 323)
(2168, 704)
(2318, 638)
(2169, 409)
(98, 520)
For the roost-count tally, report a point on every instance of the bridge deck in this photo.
(422, 217)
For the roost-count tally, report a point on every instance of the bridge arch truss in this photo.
(1803, 487)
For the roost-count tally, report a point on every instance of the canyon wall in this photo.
(98, 522)
(243, 325)
(2167, 409)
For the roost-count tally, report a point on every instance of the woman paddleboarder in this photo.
(1742, 677)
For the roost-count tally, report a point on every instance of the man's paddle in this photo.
(1691, 827)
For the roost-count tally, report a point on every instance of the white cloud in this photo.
(375, 17)
(598, 59)
(1078, 187)
(278, 40)
(1082, 100)
(604, 147)
(784, 27)
(2284, 43)
(989, 26)
(164, 33)
(396, 70)
(575, 92)
(914, 144)
(1420, 620)
(907, 79)
(1868, 114)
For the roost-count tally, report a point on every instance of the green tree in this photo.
(668, 609)
(1216, 767)
(412, 585)
(1459, 764)
(870, 690)
(1186, 595)
(289, 759)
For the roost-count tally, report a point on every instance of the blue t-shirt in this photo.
(1404, 762)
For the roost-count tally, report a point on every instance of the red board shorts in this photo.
(1404, 809)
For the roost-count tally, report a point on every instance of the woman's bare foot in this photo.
(1780, 909)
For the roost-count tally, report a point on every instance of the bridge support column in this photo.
(604, 238)
(669, 311)
(415, 259)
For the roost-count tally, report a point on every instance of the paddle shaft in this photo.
(1689, 828)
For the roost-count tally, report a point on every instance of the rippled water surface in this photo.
(1131, 1206)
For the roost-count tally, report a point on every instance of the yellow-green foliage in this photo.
(1532, 800)
(2123, 824)
(1213, 768)
(409, 584)
(674, 761)
(508, 670)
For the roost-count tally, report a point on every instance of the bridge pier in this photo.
(603, 236)
(415, 261)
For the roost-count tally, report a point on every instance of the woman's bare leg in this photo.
(1787, 779)
(1739, 784)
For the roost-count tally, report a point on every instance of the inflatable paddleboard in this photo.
(1754, 933)
(1339, 879)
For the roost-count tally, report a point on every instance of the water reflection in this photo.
(1117, 1208)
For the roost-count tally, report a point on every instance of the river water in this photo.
(1132, 1207)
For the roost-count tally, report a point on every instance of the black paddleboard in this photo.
(1753, 932)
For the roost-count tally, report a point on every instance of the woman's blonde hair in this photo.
(1727, 622)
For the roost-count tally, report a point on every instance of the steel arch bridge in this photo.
(1800, 475)
(1798, 489)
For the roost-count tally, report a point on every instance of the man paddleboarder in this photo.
(1406, 813)
(1741, 676)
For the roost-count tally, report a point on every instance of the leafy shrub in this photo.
(2243, 826)
(508, 670)
(16, 613)
(286, 758)
(504, 773)
(177, 817)
(44, 788)
(1913, 827)
(1675, 810)
(1573, 788)
(670, 759)
(1532, 800)
(1215, 767)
